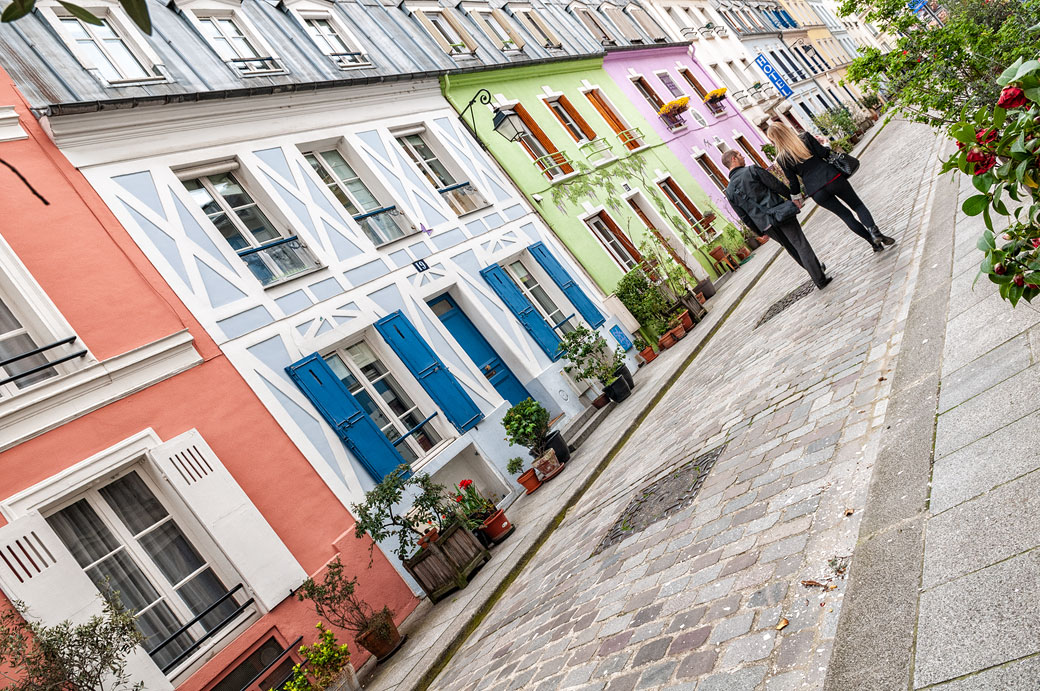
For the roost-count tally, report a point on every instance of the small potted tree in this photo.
(527, 425)
(590, 357)
(528, 478)
(443, 561)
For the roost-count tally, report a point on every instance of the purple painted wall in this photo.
(660, 68)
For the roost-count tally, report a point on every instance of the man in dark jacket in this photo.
(752, 191)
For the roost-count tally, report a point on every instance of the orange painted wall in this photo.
(116, 301)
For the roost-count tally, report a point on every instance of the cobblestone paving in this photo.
(693, 601)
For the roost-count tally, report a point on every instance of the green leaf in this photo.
(17, 10)
(138, 12)
(999, 116)
(1019, 147)
(986, 217)
(982, 182)
(80, 13)
(974, 205)
(1027, 67)
(963, 132)
(1000, 207)
(987, 241)
(1033, 279)
(1009, 74)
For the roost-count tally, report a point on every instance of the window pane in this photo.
(201, 592)
(157, 624)
(12, 346)
(394, 398)
(8, 322)
(230, 232)
(134, 503)
(82, 532)
(119, 574)
(171, 552)
(366, 360)
(372, 408)
(344, 374)
(257, 223)
(98, 59)
(74, 28)
(125, 60)
(228, 187)
(201, 196)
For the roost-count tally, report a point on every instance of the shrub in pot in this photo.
(528, 478)
(646, 351)
(327, 663)
(527, 425)
(589, 356)
(335, 600)
(480, 512)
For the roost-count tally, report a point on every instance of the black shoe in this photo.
(877, 245)
(877, 238)
(824, 283)
(823, 267)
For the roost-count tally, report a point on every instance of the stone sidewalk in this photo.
(949, 549)
(694, 600)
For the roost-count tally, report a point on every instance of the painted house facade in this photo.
(652, 77)
(133, 456)
(297, 178)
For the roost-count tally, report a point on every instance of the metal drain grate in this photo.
(786, 301)
(658, 499)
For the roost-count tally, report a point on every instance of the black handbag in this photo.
(843, 163)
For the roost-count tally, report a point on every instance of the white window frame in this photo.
(496, 26)
(120, 23)
(413, 157)
(195, 11)
(566, 322)
(306, 11)
(564, 118)
(419, 401)
(434, 17)
(531, 19)
(645, 21)
(608, 244)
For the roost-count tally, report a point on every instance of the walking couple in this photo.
(764, 204)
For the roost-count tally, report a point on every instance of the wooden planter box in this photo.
(446, 564)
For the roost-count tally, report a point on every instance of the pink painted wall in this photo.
(116, 301)
(647, 62)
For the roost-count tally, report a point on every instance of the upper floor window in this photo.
(382, 397)
(21, 369)
(236, 47)
(647, 23)
(616, 242)
(594, 25)
(545, 154)
(631, 137)
(332, 41)
(670, 84)
(105, 47)
(495, 25)
(381, 223)
(271, 254)
(126, 541)
(648, 93)
(694, 82)
(462, 197)
(536, 294)
(571, 119)
(538, 27)
(446, 30)
(713, 172)
(682, 203)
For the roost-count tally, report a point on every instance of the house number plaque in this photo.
(420, 265)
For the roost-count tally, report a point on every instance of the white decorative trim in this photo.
(10, 127)
(62, 399)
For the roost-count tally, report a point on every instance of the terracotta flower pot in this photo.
(602, 400)
(700, 298)
(687, 320)
(743, 253)
(547, 465)
(381, 639)
(496, 526)
(647, 354)
(678, 332)
(529, 479)
(666, 341)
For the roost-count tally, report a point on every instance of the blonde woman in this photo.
(802, 156)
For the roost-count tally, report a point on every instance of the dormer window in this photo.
(497, 27)
(647, 23)
(332, 41)
(235, 47)
(594, 24)
(446, 29)
(538, 28)
(108, 49)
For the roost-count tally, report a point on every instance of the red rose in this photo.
(458, 498)
(986, 136)
(986, 164)
(1012, 97)
(465, 483)
(976, 155)
(1036, 242)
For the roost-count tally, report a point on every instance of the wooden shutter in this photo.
(566, 283)
(37, 569)
(608, 114)
(688, 76)
(535, 17)
(589, 133)
(651, 27)
(341, 410)
(241, 532)
(432, 30)
(429, 371)
(452, 18)
(628, 29)
(540, 330)
(538, 133)
(514, 35)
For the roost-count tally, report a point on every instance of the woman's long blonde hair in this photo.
(789, 146)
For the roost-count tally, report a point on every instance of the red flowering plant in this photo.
(471, 503)
(999, 147)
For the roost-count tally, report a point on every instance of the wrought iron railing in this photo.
(275, 261)
(413, 430)
(673, 121)
(717, 107)
(381, 225)
(271, 665)
(41, 367)
(463, 197)
(229, 595)
(632, 134)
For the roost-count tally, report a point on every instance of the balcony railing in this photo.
(348, 60)
(632, 134)
(35, 362)
(463, 197)
(382, 225)
(278, 260)
(690, 32)
(237, 610)
(258, 65)
(554, 165)
(716, 107)
(597, 150)
(414, 430)
(278, 683)
(673, 121)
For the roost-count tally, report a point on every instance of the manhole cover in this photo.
(786, 301)
(660, 498)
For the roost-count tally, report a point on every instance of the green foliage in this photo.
(81, 657)
(472, 504)
(589, 356)
(644, 300)
(335, 599)
(998, 147)
(380, 517)
(770, 151)
(325, 661)
(527, 425)
(871, 101)
(936, 73)
(731, 240)
(137, 10)
(515, 466)
(839, 124)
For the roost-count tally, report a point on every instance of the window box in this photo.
(445, 565)
(716, 107)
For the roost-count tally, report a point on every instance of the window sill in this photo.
(605, 161)
(562, 178)
(435, 454)
(390, 243)
(264, 73)
(481, 208)
(137, 82)
(680, 128)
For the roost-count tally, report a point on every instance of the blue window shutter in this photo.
(572, 290)
(424, 364)
(524, 311)
(339, 408)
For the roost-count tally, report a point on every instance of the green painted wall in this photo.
(527, 85)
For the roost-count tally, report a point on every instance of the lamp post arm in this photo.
(484, 97)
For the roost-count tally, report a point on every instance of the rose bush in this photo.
(1000, 148)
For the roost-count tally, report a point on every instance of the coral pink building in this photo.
(132, 451)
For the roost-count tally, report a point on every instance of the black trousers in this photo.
(831, 196)
(790, 236)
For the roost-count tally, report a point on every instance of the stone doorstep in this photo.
(439, 628)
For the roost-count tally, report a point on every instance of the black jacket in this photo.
(814, 171)
(751, 191)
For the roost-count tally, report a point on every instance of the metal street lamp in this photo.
(506, 122)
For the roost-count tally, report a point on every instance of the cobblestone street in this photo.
(698, 600)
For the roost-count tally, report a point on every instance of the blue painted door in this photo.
(479, 350)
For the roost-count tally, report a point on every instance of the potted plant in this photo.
(588, 355)
(644, 300)
(336, 600)
(327, 663)
(646, 351)
(440, 565)
(675, 328)
(527, 425)
(706, 288)
(743, 253)
(528, 478)
(685, 319)
(667, 340)
(601, 401)
(482, 513)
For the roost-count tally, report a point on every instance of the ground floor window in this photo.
(536, 294)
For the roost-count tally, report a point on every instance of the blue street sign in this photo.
(781, 86)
